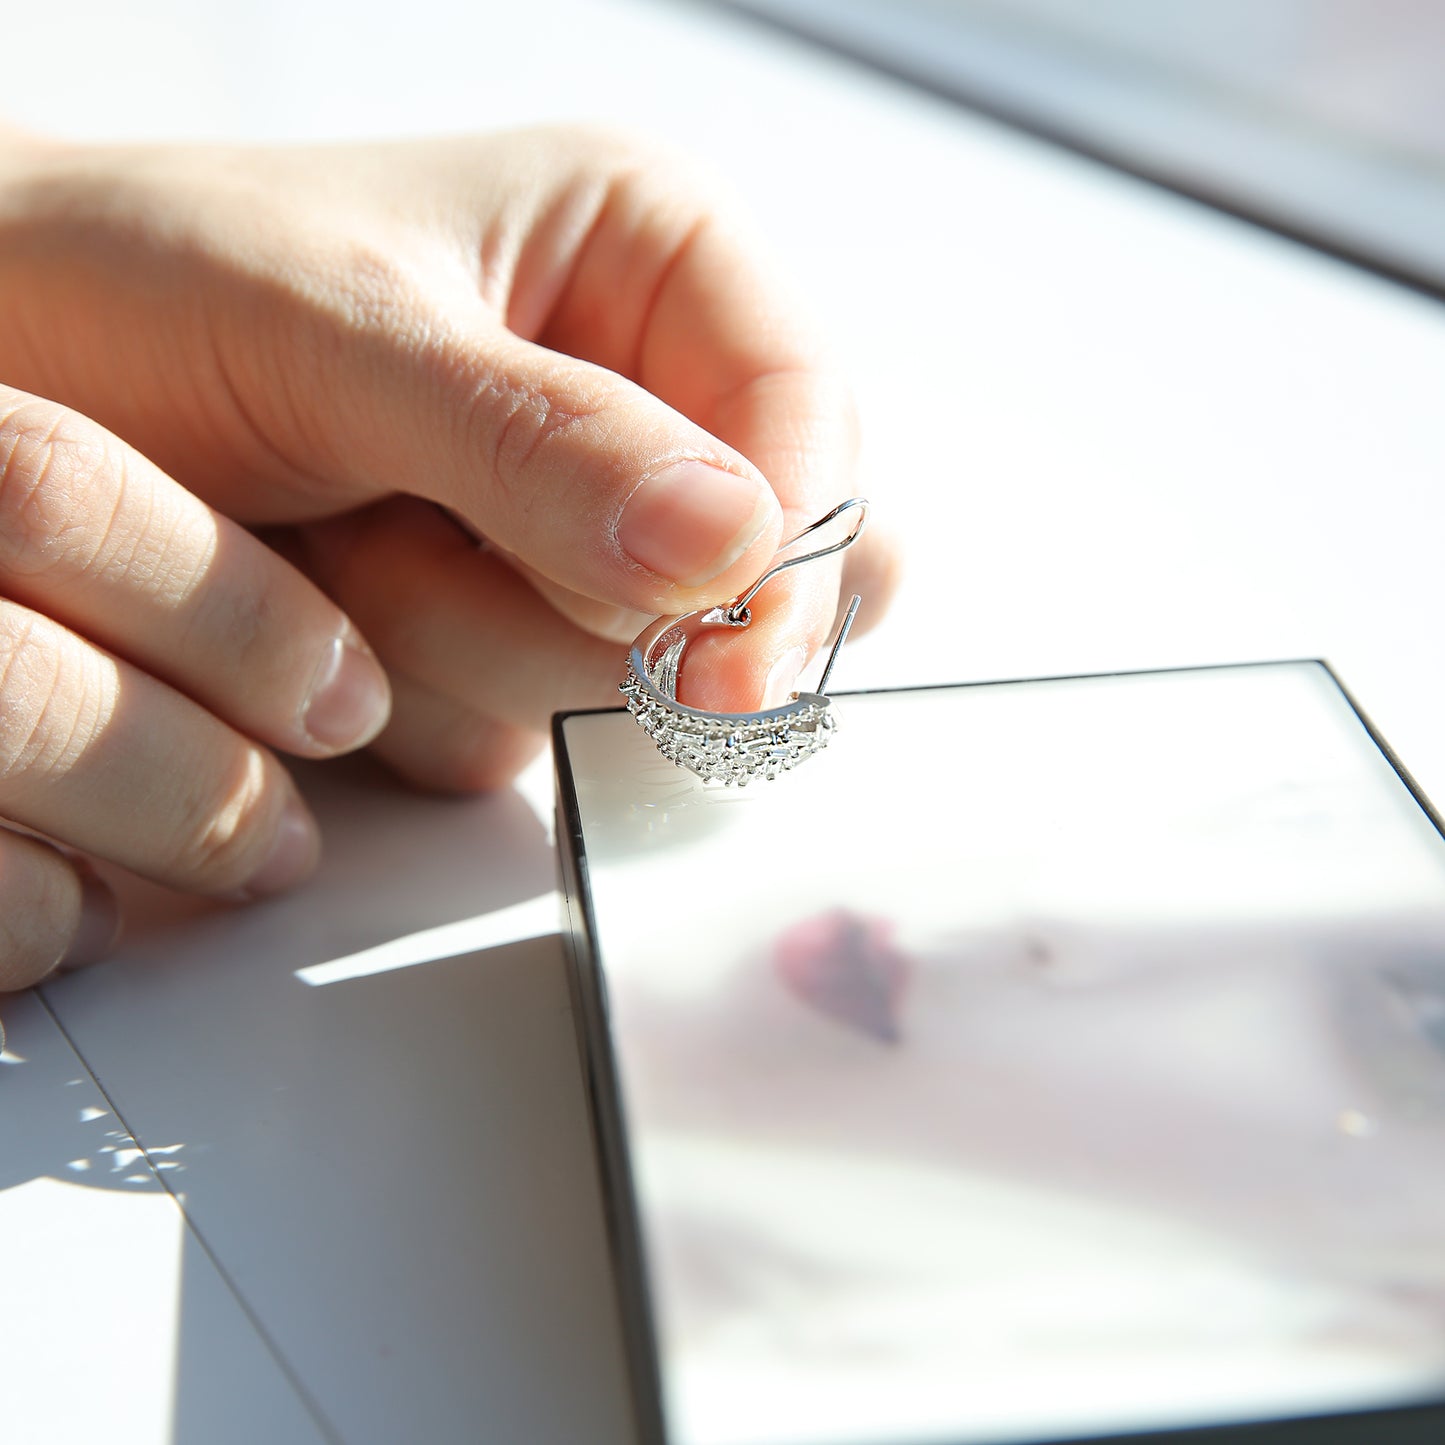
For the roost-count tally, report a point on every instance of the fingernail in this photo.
(99, 928)
(292, 857)
(692, 521)
(349, 701)
(782, 681)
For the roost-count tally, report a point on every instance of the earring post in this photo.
(838, 644)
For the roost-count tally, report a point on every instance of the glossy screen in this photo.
(1044, 1059)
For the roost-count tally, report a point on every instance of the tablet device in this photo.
(1048, 1060)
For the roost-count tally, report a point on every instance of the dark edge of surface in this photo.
(588, 987)
(1422, 1423)
(1021, 118)
(1391, 756)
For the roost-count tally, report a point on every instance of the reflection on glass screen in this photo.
(1044, 1059)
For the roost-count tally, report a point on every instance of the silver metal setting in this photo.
(733, 747)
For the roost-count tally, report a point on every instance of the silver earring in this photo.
(733, 747)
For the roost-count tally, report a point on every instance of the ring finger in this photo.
(103, 758)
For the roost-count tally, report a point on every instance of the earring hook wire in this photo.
(736, 612)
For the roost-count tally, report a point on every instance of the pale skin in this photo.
(303, 450)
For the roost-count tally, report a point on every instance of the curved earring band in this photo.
(733, 747)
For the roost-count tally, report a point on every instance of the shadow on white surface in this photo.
(108, 1264)
(392, 1173)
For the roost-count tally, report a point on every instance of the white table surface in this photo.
(1116, 431)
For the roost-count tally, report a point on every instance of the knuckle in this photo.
(72, 509)
(56, 473)
(374, 292)
(225, 827)
(516, 424)
(54, 700)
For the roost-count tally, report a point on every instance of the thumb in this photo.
(583, 475)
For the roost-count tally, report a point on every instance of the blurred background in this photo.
(1322, 118)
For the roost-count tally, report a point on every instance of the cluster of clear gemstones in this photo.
(727, 749)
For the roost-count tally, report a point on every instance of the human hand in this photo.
(555, 336)
(149, 650)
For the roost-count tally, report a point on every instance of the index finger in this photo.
(95, 536)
